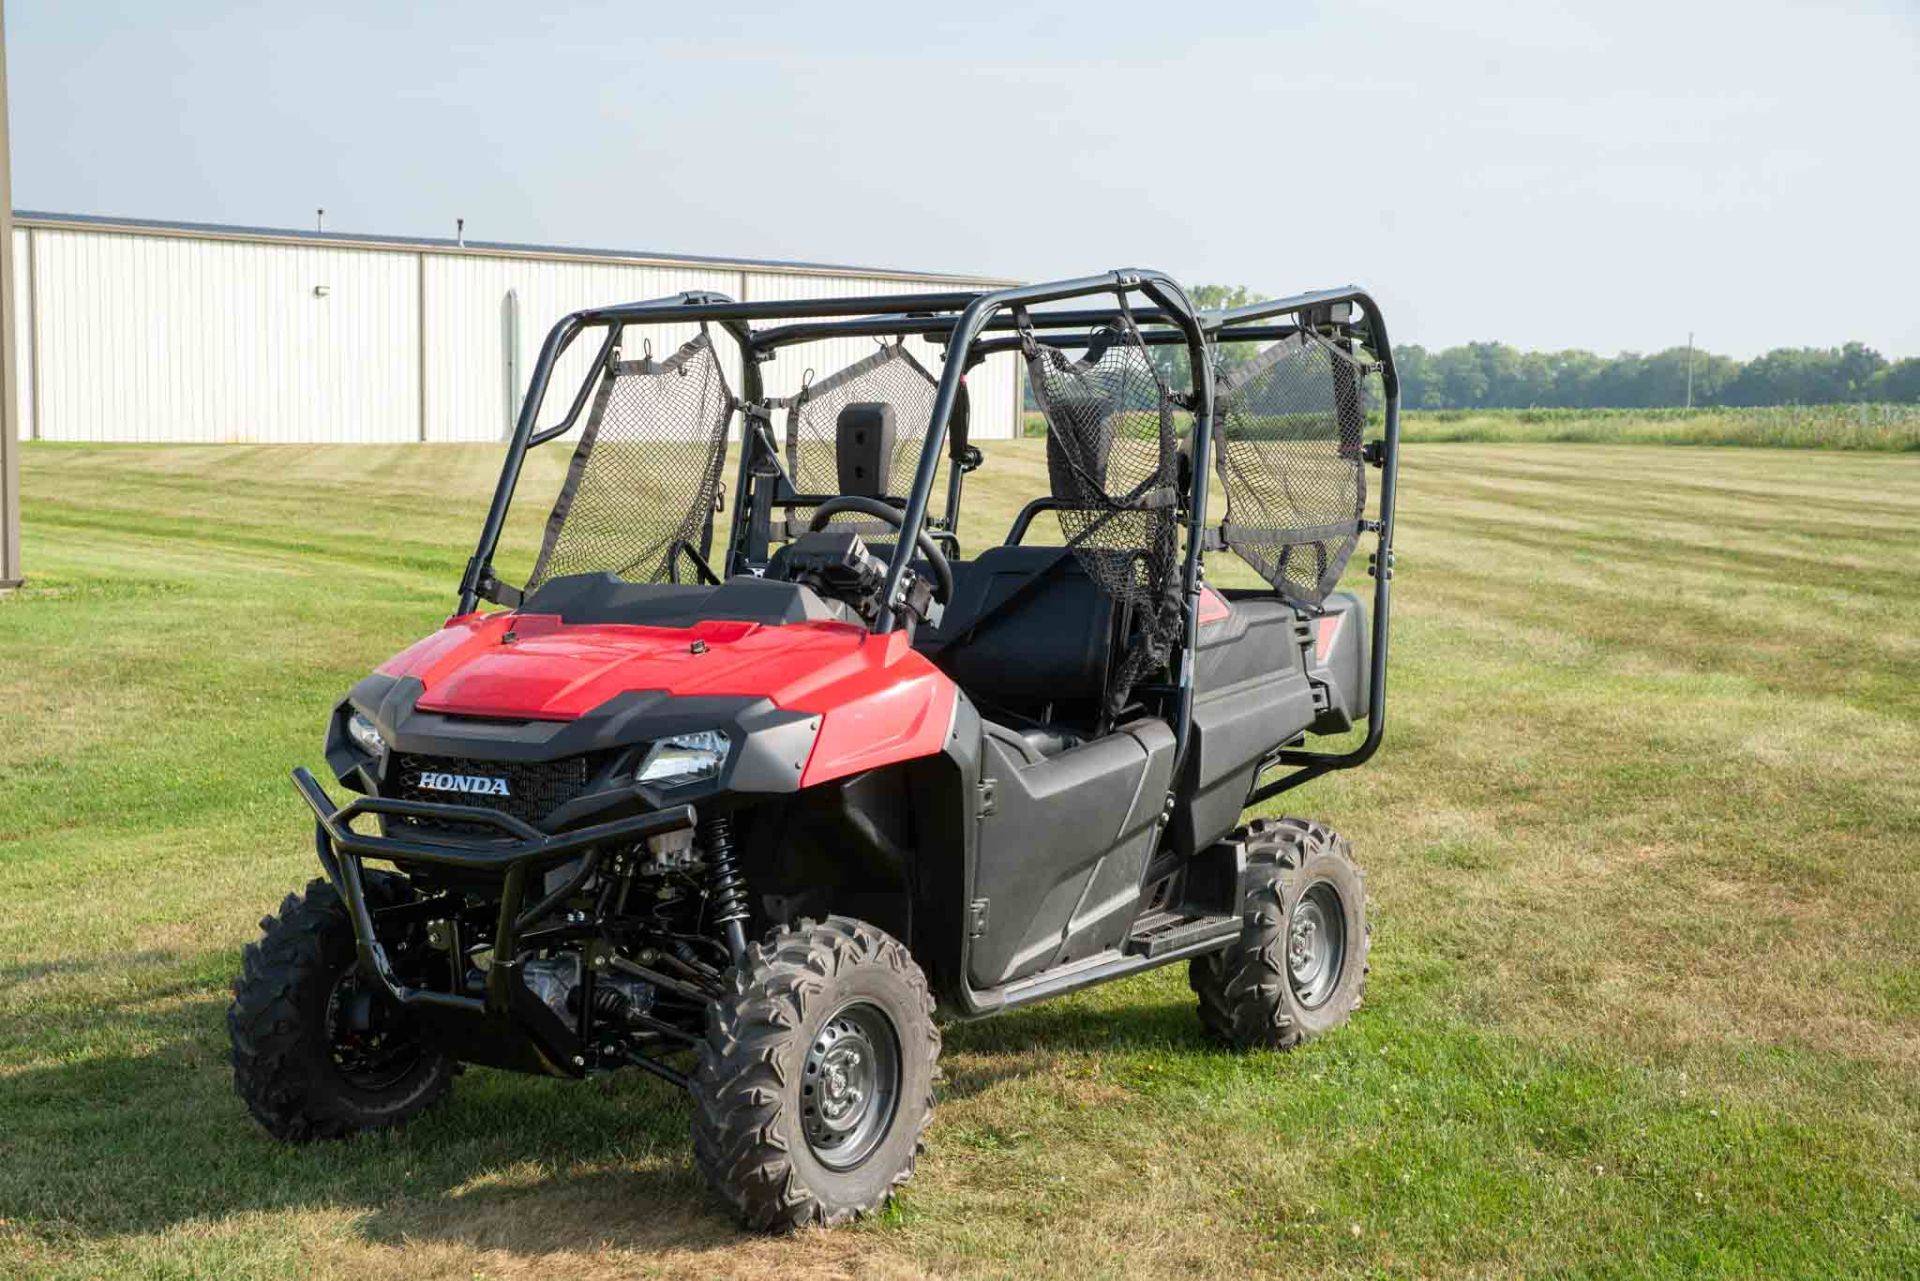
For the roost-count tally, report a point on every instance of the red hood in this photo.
(880, 699)
(552, 671)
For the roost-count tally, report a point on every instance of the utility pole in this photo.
(1689, 369)
(10, 570)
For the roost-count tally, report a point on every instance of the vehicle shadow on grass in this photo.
(1007, 1047)
(655, 1211)
(148, 1134)
(661, 1206)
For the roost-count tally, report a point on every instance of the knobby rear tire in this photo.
(1246, 996)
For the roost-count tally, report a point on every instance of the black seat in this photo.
(1046, 656)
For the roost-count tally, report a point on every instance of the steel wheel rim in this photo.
(850, 1085)
(372, 1059)
(1316, 944)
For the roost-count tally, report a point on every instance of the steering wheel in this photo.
(942, 570)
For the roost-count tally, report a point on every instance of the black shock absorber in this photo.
(728, 889)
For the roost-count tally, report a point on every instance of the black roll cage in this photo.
(962, 321)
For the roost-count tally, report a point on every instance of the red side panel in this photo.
(895, 707)
(879, 701)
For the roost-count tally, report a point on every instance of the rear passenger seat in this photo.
(1047, 657)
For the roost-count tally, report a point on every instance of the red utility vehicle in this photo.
(734, 819)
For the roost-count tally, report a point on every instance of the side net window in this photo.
(641, 489)
(1289, 456)
(1113, 465)
(891, 376)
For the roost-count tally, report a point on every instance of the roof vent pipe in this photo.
(460, 232)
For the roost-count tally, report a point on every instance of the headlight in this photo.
(685, 758)
(366, 736)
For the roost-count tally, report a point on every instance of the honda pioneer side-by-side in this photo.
(758, 761)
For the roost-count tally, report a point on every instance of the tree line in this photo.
(1491, 375)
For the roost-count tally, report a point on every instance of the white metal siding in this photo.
(22, 331)
(157, 336)
(466, 331)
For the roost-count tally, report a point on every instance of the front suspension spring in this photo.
(728, 889)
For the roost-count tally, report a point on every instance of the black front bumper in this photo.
(510, 1026)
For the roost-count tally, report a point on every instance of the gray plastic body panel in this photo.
(1252, 694)
(1061, 855)
(1345, 668)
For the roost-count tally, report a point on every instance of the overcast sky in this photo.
(1605, 174)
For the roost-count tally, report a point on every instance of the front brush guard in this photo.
(514, 854)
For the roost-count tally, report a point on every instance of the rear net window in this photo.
(641, 489)
(891, 376)
(1112, 464)
(1289, 456)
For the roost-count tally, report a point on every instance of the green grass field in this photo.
(1878, 428)
(1644, 846)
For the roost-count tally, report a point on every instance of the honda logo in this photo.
(472, 784)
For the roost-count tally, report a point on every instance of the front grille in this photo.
(533, 790)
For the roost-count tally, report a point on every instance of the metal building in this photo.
(131, 330)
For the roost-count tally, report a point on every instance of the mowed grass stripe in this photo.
(1641, 848)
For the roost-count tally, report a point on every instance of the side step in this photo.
(1166, 937)
(1169, 932)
